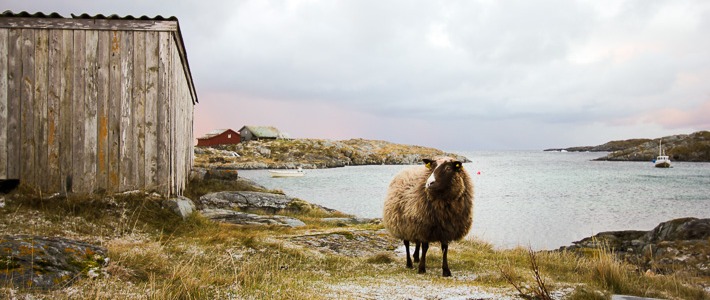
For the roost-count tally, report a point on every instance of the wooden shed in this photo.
(219, 137)
(94, 103)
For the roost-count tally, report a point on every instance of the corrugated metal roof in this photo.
(178, 37)
(24, 14)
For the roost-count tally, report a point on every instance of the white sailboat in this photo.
(662, 160)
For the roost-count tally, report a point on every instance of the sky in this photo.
(454, 75)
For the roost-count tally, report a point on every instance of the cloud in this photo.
(502, 70)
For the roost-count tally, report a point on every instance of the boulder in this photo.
(241, 218)
(222, 173)
(47, 262)
(198, 173)
(182, 206)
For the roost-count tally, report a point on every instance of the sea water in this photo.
(536, 199)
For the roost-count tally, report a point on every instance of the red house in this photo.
(219, 137)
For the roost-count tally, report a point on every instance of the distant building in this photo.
(219, 137)
(249, 133)
(95, 103)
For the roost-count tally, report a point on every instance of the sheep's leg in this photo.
(445, 262)
(409, 260)
(422, 261)
(416, 252)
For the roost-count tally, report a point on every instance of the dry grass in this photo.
(156, 255)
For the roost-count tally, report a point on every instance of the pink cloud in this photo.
(674, 118)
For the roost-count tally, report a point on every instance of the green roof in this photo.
(263, 131)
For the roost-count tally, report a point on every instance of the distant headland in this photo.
(312, 154)
(694, 147)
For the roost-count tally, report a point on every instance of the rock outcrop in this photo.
(47, 262)
(258, 202)
(241, 218)
(311, 154)
(676, 245)
(233, 207)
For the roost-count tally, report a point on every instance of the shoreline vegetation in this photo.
(694, 147)
(229, 238)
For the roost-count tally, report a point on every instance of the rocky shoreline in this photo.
(680, 245)
(694, 147)
(312, 154)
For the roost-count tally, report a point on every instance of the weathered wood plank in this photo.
(66, 112)
(114, 114)
(89, 24)
(40, 109)
(163, 114)
(78, 115)
(90, 109)
(127, 177)
(3, 103)
(27, 155)
(173, 120)
(102, 106)
(151, 109)
(14, 87)
(139, 92)
(54, 92)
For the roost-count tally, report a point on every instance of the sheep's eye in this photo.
(428, 165)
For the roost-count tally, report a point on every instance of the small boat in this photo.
(287, 173)
(662, 161)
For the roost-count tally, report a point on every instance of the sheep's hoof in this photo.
(410, 265)
(421, 271)
(446, 273)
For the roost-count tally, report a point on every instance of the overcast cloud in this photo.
(457, 75)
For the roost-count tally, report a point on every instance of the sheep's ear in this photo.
(427, 163)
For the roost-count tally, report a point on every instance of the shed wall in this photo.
(94, 110)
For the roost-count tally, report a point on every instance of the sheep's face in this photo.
(442, 173)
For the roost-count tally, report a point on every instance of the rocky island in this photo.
(694, 147)
(312, 154)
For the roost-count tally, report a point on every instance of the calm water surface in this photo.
(530, 198)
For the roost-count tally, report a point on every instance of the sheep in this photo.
(430, 204)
